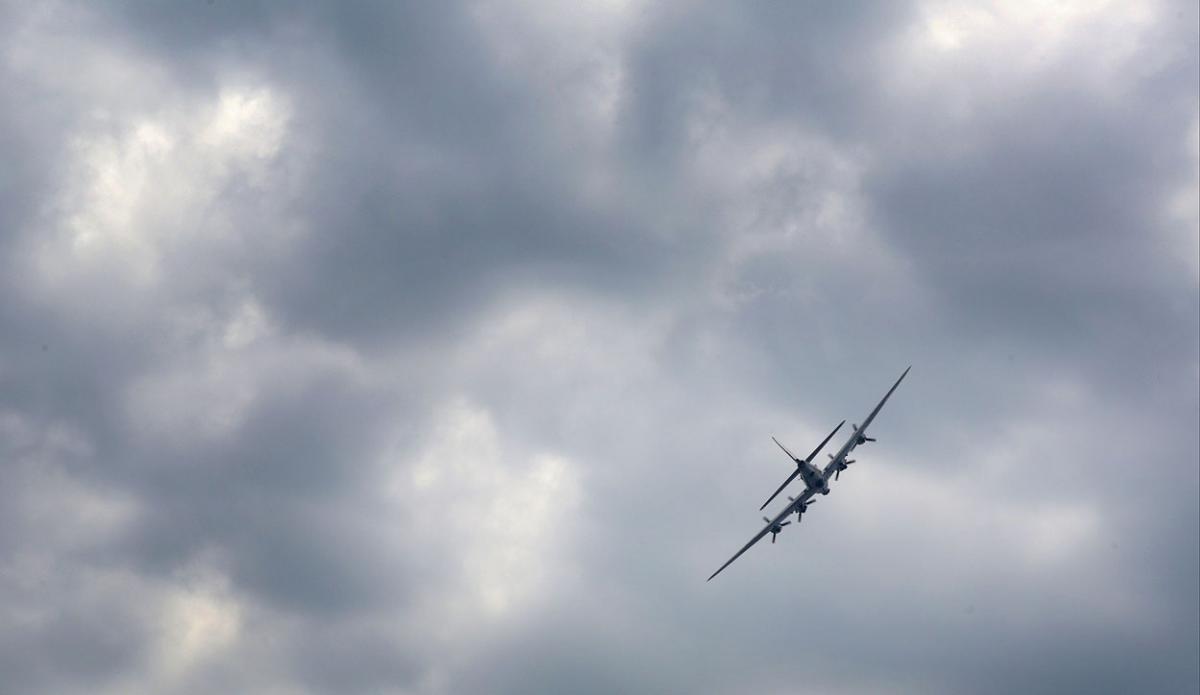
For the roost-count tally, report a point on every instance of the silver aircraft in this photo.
(838, 463)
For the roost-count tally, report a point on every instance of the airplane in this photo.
(836, 465)
(810, 474)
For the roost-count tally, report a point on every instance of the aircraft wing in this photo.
(789, 509)
(778, 490)
(879, 407)
(853, 441)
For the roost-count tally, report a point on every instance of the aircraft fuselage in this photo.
(813, 479)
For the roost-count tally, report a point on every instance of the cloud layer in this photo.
(438, 349)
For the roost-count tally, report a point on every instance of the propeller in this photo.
(845, 464)
(862, 438)
(803, 507)
(776, 528)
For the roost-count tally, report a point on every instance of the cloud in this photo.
(436, 349)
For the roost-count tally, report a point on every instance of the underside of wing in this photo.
(757, 537)
(879, 407)
(791, 507)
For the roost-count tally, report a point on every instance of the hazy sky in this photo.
(437, 348)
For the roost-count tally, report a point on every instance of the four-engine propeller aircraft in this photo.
(815, 484)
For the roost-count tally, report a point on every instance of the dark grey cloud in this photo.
(401, 348)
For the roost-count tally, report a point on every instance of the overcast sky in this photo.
(437, 348)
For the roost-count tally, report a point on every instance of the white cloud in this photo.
(215, 382)
(1032, 31)
(1183, 209)
(148, 185)
(972, 61)
(505, 513)
(199, 620)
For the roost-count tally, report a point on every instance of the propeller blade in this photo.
(790, 478)
(820, 446)
(785, 450)
(837, 473)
